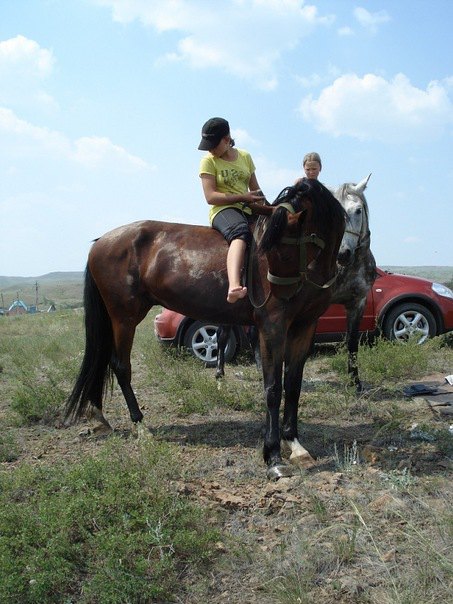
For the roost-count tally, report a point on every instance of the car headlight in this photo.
(442, 290)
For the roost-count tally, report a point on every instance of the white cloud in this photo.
(345, 31)
(245, 38)
(25, 138)
(21, 139)
(93, 151)
(24, 66)
(25, 56)
(371, 21)
(372, 108)
(315, 80)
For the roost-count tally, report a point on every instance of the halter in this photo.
(302, 275)
(361, 239)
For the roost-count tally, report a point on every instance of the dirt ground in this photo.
(222, 469)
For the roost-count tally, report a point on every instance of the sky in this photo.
(102, 104)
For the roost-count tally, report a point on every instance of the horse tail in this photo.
(95, 372)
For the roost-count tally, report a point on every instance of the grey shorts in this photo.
(233, 224)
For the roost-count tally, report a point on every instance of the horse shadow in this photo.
(330, 445)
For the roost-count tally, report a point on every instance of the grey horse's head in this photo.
(357, 233)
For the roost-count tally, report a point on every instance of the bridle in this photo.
(362, 238)
(302, 274)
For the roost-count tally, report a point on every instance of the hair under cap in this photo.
(212, 133)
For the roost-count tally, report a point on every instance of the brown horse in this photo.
(292, 266)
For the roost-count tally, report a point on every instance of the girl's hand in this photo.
(254, 197)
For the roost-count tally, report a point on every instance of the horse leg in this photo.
(354, 316)
(123, 335)
(223, 334)
(272, 361)
(297, 351)
(255, 345)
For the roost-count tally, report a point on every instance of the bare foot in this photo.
(236, 294)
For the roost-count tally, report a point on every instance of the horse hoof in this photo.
(302, 461)
(102, 429)
(140, 431)
(279, 471)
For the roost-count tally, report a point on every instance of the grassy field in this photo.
(183, 512)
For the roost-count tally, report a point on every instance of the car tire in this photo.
(201, 341)
(409, 320)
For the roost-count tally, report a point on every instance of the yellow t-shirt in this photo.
(231, 177)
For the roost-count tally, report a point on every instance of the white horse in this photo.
(356, 267)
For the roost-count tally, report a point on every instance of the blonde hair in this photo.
(313, 156)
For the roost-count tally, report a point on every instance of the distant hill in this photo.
(65, 289)
(442, 274)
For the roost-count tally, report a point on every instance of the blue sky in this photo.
(102, 103)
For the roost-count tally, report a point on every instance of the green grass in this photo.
(106, 530)
(194, 389)
(9, 448)
(386, 361)
(39, 355)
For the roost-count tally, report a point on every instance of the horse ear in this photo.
(361, 186)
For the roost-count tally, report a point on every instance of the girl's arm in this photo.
(216, 198)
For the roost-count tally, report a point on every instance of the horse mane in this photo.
(326, 209)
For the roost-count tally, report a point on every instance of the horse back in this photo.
(179, 266)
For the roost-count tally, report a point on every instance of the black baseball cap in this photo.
(212, 133)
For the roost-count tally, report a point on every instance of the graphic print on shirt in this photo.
(231, 177)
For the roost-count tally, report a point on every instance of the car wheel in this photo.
(409, 320)
(201, 340)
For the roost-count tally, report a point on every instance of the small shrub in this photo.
(399, 479)
(38, 399)
(105, 530)
(446, 340)
(350, 459)
(9, 449)
(386, 360)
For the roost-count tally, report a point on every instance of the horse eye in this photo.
(358, 211)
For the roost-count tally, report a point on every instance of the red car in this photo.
(398, 307)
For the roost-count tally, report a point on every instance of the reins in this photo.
(301, 242)
(253, 247)
(302, 275)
